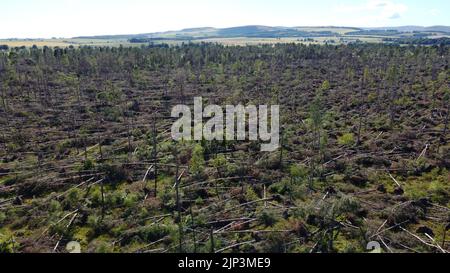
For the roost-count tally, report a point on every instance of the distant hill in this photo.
(259, 31)
(241, 31)
(445, 29)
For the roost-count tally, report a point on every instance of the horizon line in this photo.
(206, 27)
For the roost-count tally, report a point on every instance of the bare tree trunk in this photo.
(103, 199)
(361, 107)
(193, 230)
(444, 133)
(180, 227)
(155, 157)
(281, 149)
(85, 149)
(128, 137)
(211, 237)
(5, 107)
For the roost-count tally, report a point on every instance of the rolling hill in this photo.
(259, 31)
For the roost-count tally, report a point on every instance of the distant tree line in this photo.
(419, 41)
(374, 32)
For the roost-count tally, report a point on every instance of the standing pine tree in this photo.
(197, 164)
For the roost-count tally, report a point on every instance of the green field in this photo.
(245, 35)
(242, 41)
(64, 42)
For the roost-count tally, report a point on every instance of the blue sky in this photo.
(68, 18)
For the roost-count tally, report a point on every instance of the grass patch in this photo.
(433, 185)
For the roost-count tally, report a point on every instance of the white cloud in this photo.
(372, 12)
(392, 10)
(434, 12)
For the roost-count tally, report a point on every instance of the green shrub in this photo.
(155, 232)
(100, 225)
(63, 145)
(114, 199)
(347, 139)
(432, 185)
(72, 199)
(93, 221)
(88, 165)
(9, 181)
(103, 247)
(131, 200)
(298, 173)
(96, 197)
(114, 174)
(268, 219)
(54, 206)
(199, 201)
(197, 164)
(250, 195)
(2, 218)
(112, 114)
(8, 244)
(435, 190)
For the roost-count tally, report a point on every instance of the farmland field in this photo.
(63, 42)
